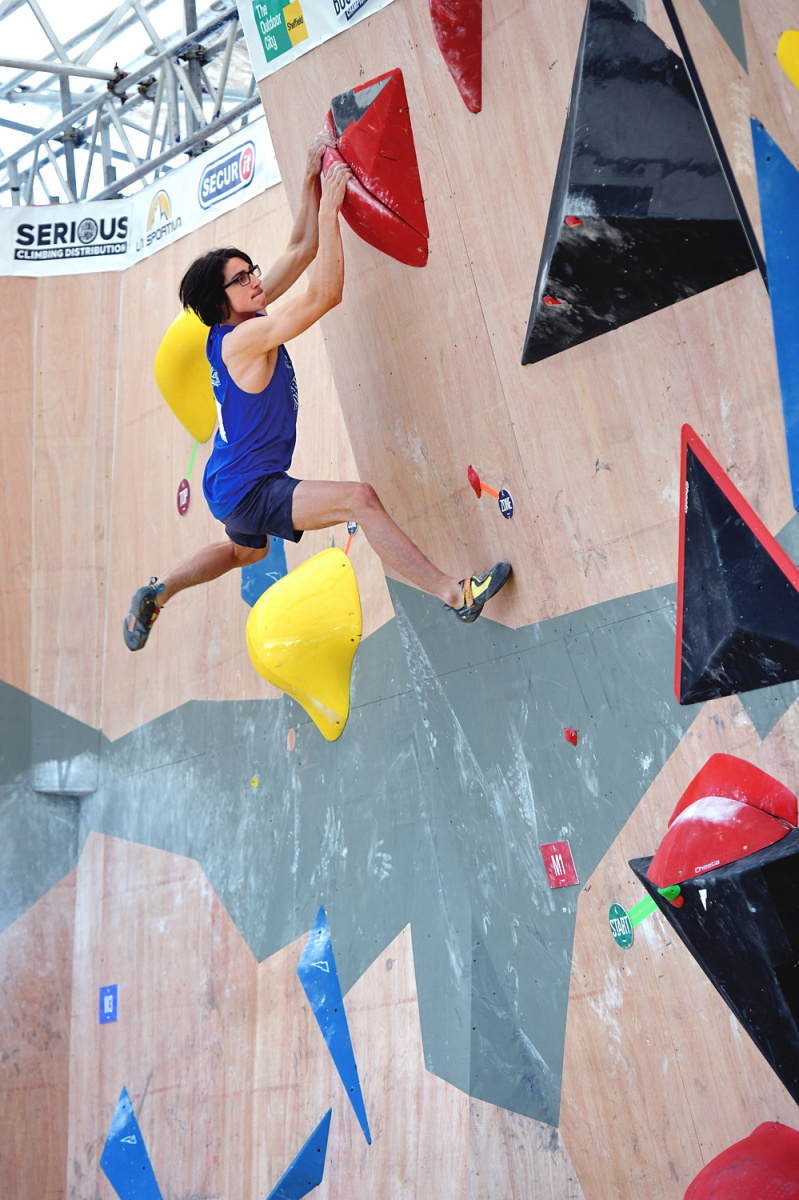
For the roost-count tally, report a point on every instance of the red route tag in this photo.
(184, 495)
(559, 864)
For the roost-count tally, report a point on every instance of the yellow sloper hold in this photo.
(183, 375)
(788, 55)
(302, 636)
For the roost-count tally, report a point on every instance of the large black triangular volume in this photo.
(737, 590)
(741, 924)
(641, 215)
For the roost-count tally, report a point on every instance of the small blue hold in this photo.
(260, 576)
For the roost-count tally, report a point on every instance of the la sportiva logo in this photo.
(161, 222)
(227, 175)
(86, 237)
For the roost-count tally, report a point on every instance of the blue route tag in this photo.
(108, 1003)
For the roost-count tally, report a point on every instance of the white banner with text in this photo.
(277, 33)
(110, 235)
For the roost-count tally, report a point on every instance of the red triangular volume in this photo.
(737, 589)
(381, 151)
(384, 203)
(458, 26)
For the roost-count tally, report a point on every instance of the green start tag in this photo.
(620, 926)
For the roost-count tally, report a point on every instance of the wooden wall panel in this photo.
(658, 1075)
(409, 348)
(35, 1009)
(17, 341)
(587, 441)
(151, 923)
(294, 1080)
(774, 98)
(229, 1073)
(428, 367)
(516, 1158)
(728, 349)
(427, 1136)
(73, 396)
(419, 1123)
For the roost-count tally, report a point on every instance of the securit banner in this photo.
(277, 32)
(110, 235)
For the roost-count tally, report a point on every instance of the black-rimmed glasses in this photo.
(244, 277)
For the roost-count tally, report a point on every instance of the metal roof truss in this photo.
(176, 100)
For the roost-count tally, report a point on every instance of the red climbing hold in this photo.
(764, 1164)
(458, 26)
(729, 810)
(733, 777)
(570, 736)
(384, 203)
(474, 480)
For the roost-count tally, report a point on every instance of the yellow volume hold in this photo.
(302, 636)
(183, 375)
(788, 55)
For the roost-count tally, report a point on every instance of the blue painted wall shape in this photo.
(778, 190)
(319, 978)
(308, 1168)
(124, 1158)
(260, 576)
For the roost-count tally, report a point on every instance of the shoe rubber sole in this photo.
(142, 616)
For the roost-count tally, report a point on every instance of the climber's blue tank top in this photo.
(257, 430)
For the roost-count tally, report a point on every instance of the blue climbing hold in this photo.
(778, 190)
(124, 1158)
(306, 1172)
(318, 976)
(258, 577)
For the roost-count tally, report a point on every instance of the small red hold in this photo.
(570, 736)
(474, 480)
(458, 29)
(552, 302)
(573, 221)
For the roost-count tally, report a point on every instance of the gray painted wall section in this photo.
(38, 831)
(429, 809)
(726, 16)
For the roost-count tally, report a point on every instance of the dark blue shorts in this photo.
(266, 509)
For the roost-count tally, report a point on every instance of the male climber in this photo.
(246, 483)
